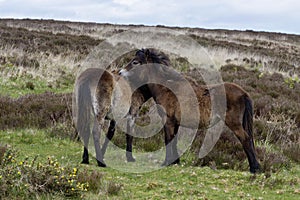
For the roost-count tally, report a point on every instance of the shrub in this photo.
(113, 188)
(64, 130)
(226, 154)
(271, 161)
(292, 151)
(39, 111)
(23, 179)
(94, 180)
(29, 85)
(42, 41)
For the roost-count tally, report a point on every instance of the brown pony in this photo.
(94, 96)
(239, 108)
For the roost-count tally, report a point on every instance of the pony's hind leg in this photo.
(239, 118)
(96, 136)
(109, 136)
(85, 138)
(247, 142)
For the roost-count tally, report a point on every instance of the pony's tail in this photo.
(84, 111)
(248, 116)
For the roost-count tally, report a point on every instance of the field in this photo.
(40, 153)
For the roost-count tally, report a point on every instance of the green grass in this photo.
(16, 85)
(33, 142)
(19, 87)
(176, 182)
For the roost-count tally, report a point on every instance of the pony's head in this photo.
(145, 56)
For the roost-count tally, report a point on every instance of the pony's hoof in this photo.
(256, 169)
(131, 159)
(176, 162)
(101, 164)
(85, 162)
(169, 162)
(129, 156)
(165, 163)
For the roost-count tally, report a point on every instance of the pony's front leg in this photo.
(96, 135)
(172, 156)
(129, 138)
(85, 156)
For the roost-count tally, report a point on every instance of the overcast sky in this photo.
(262, 15)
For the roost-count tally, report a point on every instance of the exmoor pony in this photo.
(239, 108)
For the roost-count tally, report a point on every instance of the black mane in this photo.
(153, 56)
(150, 55)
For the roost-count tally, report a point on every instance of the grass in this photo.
(15, 82)
(176, 182)
(19, 87)
(33, 142)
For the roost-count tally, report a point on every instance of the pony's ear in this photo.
(139, 51)
(147, 53)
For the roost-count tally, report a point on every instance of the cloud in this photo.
(125, 2)
(264, 7)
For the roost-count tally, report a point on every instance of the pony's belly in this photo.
(196, 121)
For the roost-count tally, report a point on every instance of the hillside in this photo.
(40, 59)
(274, 51)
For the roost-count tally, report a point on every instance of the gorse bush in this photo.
(26, 178)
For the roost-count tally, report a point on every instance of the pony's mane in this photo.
(153, 56)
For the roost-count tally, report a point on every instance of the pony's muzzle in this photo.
(122, 72)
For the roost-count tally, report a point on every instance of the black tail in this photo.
(248, 127)
(248, 116)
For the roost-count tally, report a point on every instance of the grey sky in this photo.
(263, 15)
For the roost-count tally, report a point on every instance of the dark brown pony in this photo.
(94, 96)
(239, 109)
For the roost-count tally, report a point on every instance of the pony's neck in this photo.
(146, 92)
